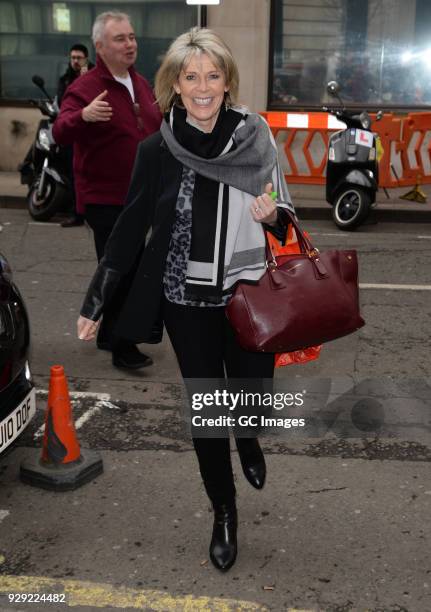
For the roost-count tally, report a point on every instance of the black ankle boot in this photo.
(223, 547)
(252, 461)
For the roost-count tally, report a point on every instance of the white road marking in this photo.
(3, 514)
(37, 434)
(44, 223)
(339, 235)
(342, 234)
(395, 287)
(81, 394)
(106, 404)
(87, 415)
(102, 401)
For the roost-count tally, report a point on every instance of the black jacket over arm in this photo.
(150, 204)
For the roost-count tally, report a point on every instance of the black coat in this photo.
(66, 79)
(150, 204)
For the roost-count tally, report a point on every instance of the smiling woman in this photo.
(202, 184)
(202, 86)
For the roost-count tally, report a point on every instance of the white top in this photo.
(128, 83)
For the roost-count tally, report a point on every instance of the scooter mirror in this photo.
(38, 81)
(333, 88)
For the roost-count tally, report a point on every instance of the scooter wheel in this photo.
(351, 208)
(45, 206)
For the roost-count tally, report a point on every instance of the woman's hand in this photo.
(263, 209)
(87, 328)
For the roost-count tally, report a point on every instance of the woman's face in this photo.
(202, 86)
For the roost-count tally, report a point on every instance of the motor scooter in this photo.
(46, 168)
(352, 170)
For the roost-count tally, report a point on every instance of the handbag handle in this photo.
(304, 243)
(305, 247)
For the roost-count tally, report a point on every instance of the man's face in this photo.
(77, 60)
(118, 47)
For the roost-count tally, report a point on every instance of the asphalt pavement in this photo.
(343, 521)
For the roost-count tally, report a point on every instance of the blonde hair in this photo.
(101, 21)
(196, 40)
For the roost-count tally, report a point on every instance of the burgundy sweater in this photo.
(104, 151)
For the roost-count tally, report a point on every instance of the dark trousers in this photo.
(101, 218)
(68, 155)
(205, 346)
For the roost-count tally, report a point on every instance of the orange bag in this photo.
(291, 246)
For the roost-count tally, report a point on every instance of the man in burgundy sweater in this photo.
(105, 114)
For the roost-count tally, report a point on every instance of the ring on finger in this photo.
(257, 209)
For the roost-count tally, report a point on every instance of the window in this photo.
(35, 37)
(378, 50)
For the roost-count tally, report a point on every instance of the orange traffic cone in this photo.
(60, 444)
(62, 466)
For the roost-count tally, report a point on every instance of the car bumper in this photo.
(17, 408)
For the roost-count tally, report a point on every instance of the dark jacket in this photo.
(67, 79)
(104, 152)
(150, 204)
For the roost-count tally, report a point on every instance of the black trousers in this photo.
(205, 346)
(68, 154)
(101, 218)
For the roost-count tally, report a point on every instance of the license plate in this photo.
(17, 421)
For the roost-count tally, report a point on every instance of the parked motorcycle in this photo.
(352, 170)
(46, 168)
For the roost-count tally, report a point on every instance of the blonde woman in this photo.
(202, 186)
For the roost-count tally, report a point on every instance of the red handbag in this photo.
(290, 246)
(302, 300)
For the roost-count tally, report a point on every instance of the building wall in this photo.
(244, 25)
(17, 130)
(388, 20)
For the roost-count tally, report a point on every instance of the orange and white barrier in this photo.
(302, 140)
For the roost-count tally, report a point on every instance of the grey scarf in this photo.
(248, 167)
(232, 247)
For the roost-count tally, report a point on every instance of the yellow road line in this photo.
(99, 595)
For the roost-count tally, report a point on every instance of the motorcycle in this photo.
(352, 170)
(46, 168)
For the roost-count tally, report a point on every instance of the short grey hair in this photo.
(101, 21)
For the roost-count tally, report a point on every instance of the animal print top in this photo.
(174, 279)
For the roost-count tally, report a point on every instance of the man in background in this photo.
(105, 114)
(78, 65)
